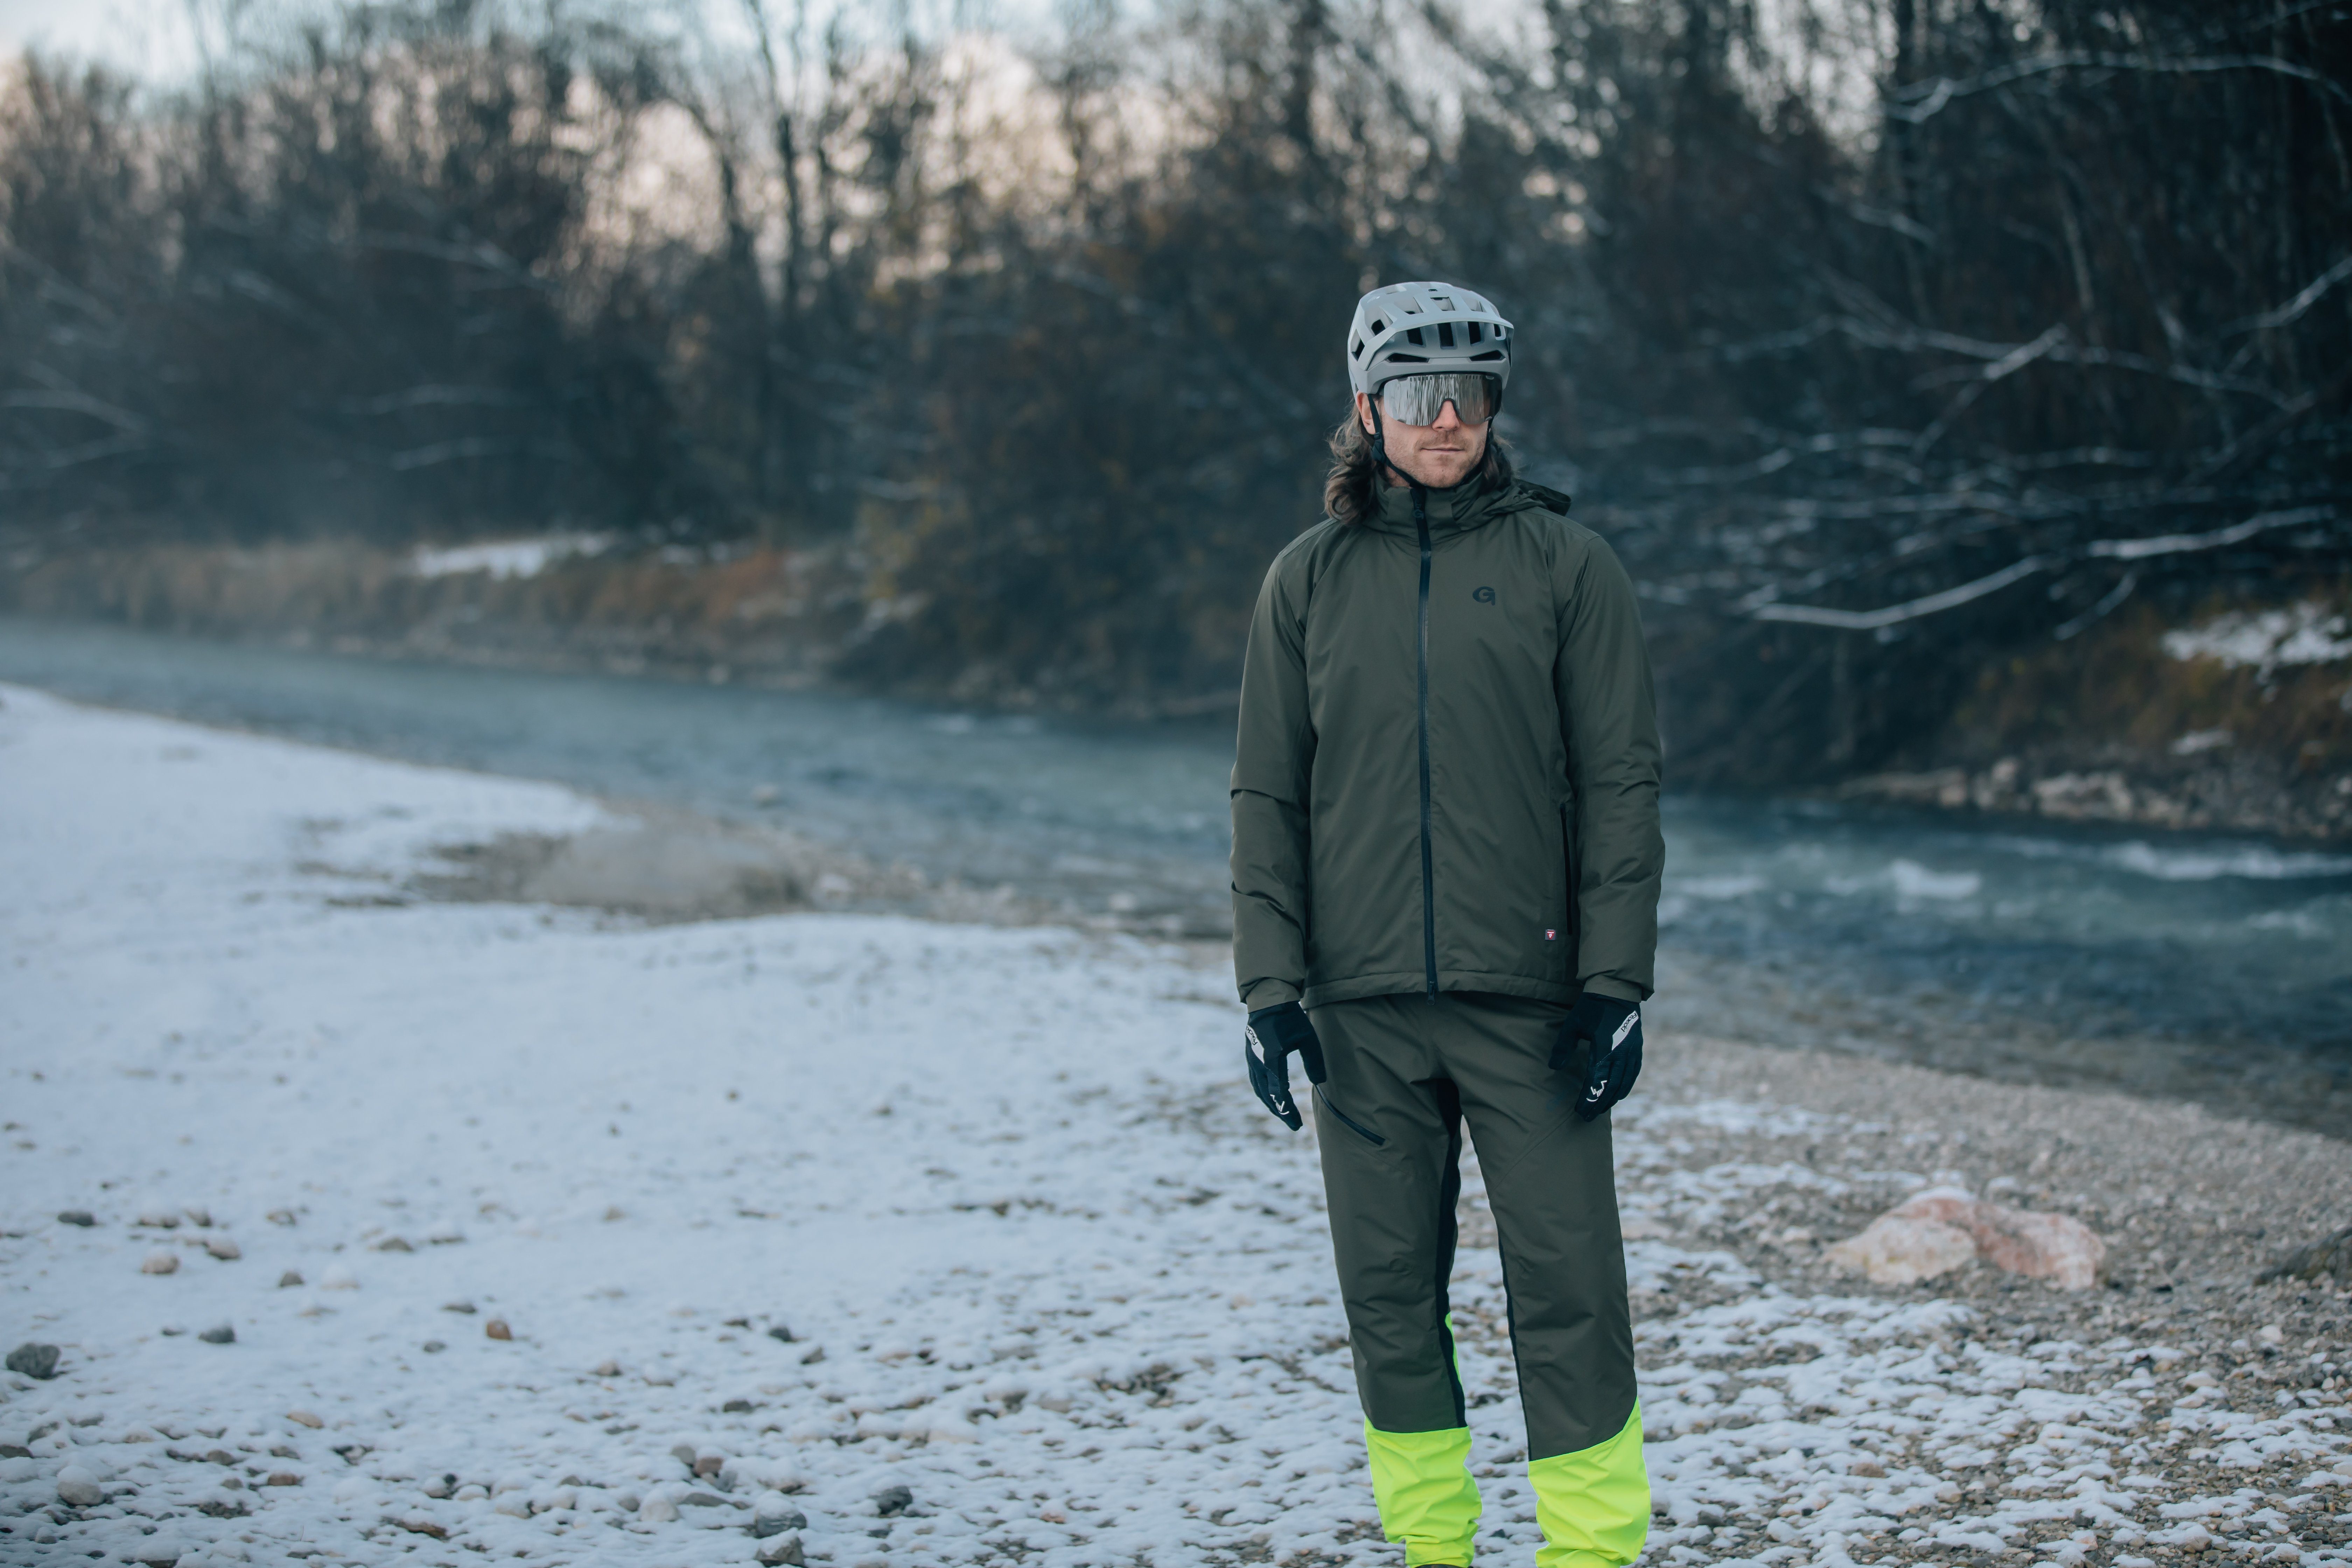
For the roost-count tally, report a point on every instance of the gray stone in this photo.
(219, 1334)
(75, 1217)
(892, 1500)
(782, 1552)
(769, 1524)
(34, 1360)
(289, 1279)
(76, 1488)
(2328, 1254)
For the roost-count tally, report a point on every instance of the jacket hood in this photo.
(1469, 505)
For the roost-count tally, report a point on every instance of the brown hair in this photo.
(1348, 489)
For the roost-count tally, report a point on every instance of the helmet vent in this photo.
(1412, 336)
(1412, 359)
(1445, 334)
(1474, 331)
(1490, 353)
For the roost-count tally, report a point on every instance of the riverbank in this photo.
(2238, 721)
(578, 1236)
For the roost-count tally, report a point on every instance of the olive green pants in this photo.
(1406, 1073)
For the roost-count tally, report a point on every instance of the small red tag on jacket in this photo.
(1551, 933)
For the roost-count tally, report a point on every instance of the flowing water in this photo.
(2205, 966)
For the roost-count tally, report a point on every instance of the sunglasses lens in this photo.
(1417, 399)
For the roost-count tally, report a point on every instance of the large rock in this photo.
(1903, 1249)
(2050, 1247)
(2041, 1246)
(1915, 1240)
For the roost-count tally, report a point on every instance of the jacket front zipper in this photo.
(1428, 876)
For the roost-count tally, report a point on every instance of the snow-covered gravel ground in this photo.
(563, 1239)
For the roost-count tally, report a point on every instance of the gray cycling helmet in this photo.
(1421, 329)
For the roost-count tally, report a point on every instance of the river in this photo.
(2205, 967)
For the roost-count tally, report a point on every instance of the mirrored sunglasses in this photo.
(1416, 399)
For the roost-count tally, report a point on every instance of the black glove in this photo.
(1613, 1056)
(1273, 1034)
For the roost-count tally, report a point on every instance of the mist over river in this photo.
(2202, 967)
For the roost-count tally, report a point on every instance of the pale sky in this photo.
(151, 39)
(156, 39)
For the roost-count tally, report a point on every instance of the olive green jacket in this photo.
(1447, 773)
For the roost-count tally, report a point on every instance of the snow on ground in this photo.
(781, 1214)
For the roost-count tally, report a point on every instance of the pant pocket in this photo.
(1348, 1121)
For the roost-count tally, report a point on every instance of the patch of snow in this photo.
(506, 558)
(2307, 633)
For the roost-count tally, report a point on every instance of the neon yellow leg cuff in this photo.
(1427, 1499)
(1594, 1505)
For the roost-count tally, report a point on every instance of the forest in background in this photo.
(1901, 347)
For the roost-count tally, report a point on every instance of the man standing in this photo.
(1446, 881)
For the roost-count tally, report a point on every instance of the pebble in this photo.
(304, 1419)
(198, 1215)
(158, 1219)
(892, 1500)
(290, 1278)
(76, 1488)
(782, 1552)
(434, 1347)
(781, 1333)
(223, 1247)
(606, 1368)
(456, 1306)
(394, 1243)
(283, 1478)
(772, 1515)
(34, 1360)
(158, 1551)
(219, 1334)
(657, 1509)
(497, 1329)
(161, 1263)
(75, 1217)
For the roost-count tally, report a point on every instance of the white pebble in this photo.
(76, 1488)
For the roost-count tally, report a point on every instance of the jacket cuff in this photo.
(1610, 985)
(1260, 994)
